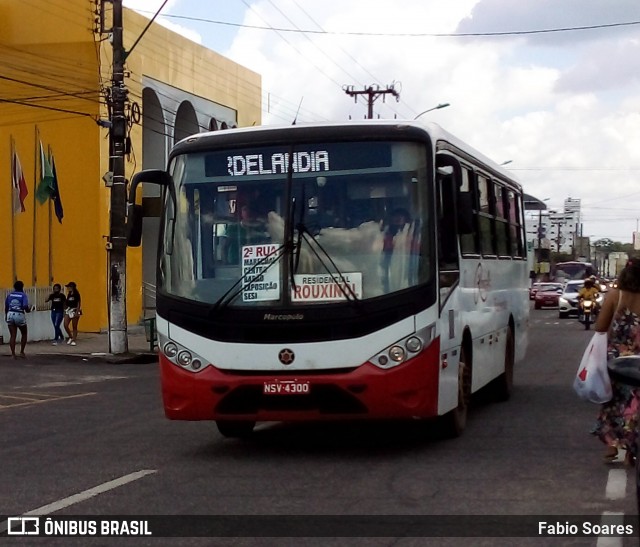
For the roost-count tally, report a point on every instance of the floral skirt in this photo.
(618, 419)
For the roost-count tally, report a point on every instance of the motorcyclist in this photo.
(588, 292)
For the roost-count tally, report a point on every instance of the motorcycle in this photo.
(588, 311)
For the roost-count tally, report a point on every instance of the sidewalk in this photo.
(90, 346)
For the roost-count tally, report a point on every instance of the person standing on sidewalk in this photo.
(73, 311)
(58, 301)
(16, 306)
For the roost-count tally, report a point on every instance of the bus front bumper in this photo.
(406, 391)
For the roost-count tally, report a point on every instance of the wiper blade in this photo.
(336, 274)
(241, 284)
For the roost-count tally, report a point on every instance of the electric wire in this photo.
(406, 34)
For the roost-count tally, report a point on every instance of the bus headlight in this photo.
(170, 350)
(413, 344)
(404, 349)
(184, 358)
(397, 354)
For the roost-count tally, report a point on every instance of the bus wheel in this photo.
(503, 385)
(235, 428)
(455, 421)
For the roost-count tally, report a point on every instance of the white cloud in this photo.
(149, 7)
(562, 106)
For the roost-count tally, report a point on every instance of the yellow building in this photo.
(55, 75)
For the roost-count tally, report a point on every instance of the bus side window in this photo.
(467, 207)
(447, 240)
(485, 216)
(447, 183)
(501, 221)
(515, 226)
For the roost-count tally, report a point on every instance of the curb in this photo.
(115, 359)
(124, 358)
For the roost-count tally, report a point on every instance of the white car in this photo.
(568, 301)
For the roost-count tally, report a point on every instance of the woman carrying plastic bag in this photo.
(619, 318)
(592, 381)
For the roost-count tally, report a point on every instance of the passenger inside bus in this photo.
(398, 220)
(249, 230)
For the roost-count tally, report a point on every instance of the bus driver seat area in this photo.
(248, 229)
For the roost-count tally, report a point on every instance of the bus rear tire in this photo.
(455, 421)
(503, 385)
(235, 429)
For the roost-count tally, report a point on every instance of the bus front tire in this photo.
(235, 429)
(455, 421)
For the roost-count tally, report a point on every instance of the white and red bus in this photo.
(372, 270)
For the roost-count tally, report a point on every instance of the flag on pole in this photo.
(55, 192)
(44, 190)
(19, 185)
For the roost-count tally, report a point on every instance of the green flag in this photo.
(46, 186)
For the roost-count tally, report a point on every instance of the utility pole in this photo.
(117, 244)
(372, 92)
(559, 239)
(540, 232)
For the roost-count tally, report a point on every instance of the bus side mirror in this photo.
(134, 225)
(134, 211)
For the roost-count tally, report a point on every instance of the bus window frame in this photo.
(472, 190)
(487, 251)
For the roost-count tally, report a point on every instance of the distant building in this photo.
(556, 231)
(56, 66)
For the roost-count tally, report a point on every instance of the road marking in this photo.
(30, 402)
(609, 517)
(83, 496)
(30, 394)
(616, 484)
(79, 381)
(21, 397)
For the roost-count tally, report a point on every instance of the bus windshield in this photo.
(573, 270)
(291, 225)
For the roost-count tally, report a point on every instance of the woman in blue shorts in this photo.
(16, 306)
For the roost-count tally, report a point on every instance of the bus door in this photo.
(447, 182)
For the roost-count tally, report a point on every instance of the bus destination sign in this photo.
(278, 163)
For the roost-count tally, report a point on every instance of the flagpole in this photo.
(50, 237)
(13, 212)
(34, 276)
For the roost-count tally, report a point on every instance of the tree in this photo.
(561, 257)
(605, 245)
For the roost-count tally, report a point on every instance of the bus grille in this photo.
(325, 399)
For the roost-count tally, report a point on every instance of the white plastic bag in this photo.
(592, 381)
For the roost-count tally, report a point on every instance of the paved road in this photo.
(89, 438)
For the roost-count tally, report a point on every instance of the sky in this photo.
(550, 86)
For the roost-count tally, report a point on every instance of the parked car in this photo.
(548, 295)
(568, 301)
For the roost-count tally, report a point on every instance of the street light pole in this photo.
(441, 105)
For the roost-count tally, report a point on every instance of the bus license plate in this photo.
(286, 387)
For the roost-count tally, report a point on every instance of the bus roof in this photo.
(363, 129)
